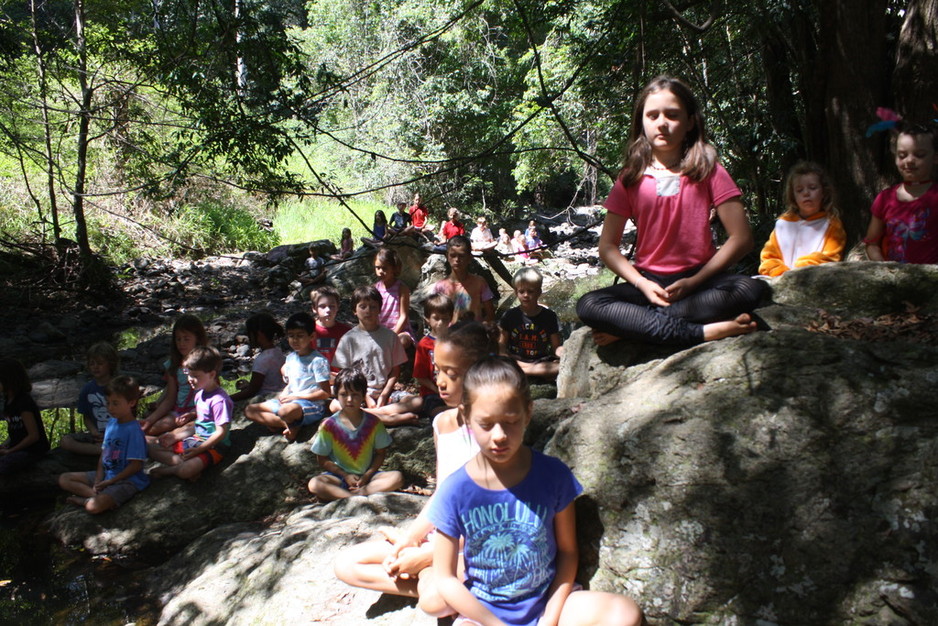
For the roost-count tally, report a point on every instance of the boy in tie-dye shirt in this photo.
(350, 446)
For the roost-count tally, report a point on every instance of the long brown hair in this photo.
(698, 157)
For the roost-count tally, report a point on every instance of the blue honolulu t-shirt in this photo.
(510, 548)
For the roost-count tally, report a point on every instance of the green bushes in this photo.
(298, 221)
(213, 228)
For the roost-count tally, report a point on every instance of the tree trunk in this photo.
(853, 69)
(915, 80)
(84, 123)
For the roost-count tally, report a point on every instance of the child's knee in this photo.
(429, 599)
(64, 480)
(99, 504)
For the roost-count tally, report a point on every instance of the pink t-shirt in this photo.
(911, 227)
(672, 215)
(390, 303)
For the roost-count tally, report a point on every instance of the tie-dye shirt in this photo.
(352, 450)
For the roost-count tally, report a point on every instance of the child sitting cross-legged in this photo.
(192, 447)
(120, 474)
(470, 293)
(92, 401)
(303, 401)
(350, 446)
(509, 511)
(380, 354)
(530, 333)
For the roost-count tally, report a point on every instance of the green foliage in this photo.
(116, 245)
(299, 221)
(212, 228)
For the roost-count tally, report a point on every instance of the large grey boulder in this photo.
(260, 476)
(782, 477)
(282, 573)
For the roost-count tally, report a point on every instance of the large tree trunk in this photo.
(915, 80)
(853, 72)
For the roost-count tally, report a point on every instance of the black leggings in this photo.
(624, 311)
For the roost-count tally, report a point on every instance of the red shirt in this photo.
(451, 229)
(327, 339)
(418, 215)
(423, 362)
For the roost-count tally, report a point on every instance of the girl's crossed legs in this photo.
(719, 308)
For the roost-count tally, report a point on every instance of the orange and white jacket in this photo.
(798, 242)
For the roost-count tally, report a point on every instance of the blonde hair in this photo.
(828, 197)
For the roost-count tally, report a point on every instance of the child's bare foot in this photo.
(159, 471)
(391, 535)
(741, 325)
(77, 501)
(291, 432)
(604, 339)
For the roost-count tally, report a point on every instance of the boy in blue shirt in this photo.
(123, 452)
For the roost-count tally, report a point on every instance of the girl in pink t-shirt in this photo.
(676, 290)
(395, 296)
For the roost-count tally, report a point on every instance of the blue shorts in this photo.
(313, 410)
(120, 492)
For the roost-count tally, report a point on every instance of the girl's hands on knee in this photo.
(655, 293)
(680, 289)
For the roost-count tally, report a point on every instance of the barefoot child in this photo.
(193, 447)
(809, 232)
(350, 446)
(103, 361)
(178, 398)
(530, 333)
(395, 296)
(400, 564)
(26, 440)
(120, 474)
(677, 290)
(470, 293)
(513, 508)
(303, 401)
(263, 332)
(377, 349)
(904, 225)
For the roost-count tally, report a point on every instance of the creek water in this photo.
(41, 582)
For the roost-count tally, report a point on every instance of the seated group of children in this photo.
(348, 373)
(185, 439)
